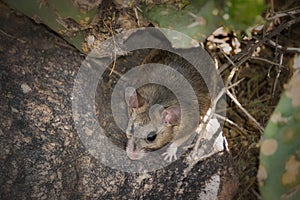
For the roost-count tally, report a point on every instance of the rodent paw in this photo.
(170, 154)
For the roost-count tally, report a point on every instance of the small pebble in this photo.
(25, 88)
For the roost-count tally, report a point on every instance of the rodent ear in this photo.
(172, 115)
(133, 98)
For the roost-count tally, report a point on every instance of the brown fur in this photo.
(140, 122)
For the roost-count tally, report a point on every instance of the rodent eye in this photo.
(151, 136)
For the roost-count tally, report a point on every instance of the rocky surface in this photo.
(41, 155)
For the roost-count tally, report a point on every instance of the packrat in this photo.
(154, 113)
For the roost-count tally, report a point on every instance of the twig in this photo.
(260, 128)
(266, 60)
(235, 68)
(213, 109)
(277, 76)
(241, 58)
(115, 48)
(202, 132)
(244, 55)
(258, 196)
(12, 37)
(226, 119)
(137, 16)
(232, 72)
(237, 56)
(231, 75)
(235, 84)
(284, 13)
(272, 6)
(288, 49)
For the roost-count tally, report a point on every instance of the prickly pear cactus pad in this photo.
(279, 169)
(67, 18)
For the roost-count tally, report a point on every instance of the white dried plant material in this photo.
(213, 136)
(236, 43)
(90, 40)
(219, 143)
(220, 31)
(210, 192)
(226, 48)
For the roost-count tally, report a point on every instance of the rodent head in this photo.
(149, 127)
